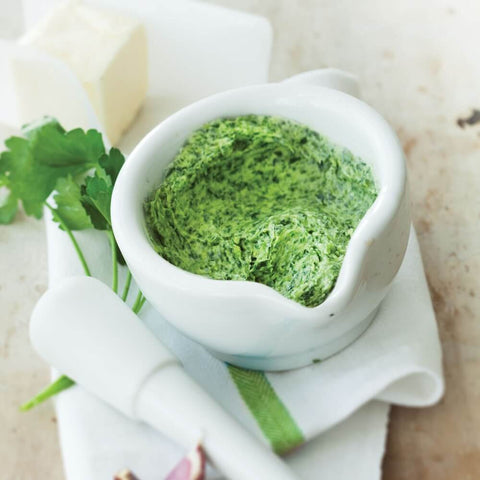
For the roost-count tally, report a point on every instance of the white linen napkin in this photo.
(340, 406)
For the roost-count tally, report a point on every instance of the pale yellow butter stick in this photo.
(105, 50)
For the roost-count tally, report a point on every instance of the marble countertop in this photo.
(418, 65)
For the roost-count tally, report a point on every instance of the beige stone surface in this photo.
(418, 64)
(29, 447)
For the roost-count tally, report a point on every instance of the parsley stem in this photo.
(76, 246)
(137, 305)
(126, 288)
(142, 303)
(60, 384)
(113, 247)
(63, 382)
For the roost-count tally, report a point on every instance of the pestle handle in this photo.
(86, 332)
(89, 334)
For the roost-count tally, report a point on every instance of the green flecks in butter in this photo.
(263, 199)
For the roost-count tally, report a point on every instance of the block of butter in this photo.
(105, 50)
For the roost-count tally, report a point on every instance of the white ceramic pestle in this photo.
(85, 331)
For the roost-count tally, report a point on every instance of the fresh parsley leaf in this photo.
(31, 166)
(96, 198)
(53, 146)
(97, 192)
(8, 205)
(112, 163)
(69, 205)
(120, 258)
(27, 181)
(31, 129)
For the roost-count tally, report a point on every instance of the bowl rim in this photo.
(134, 243)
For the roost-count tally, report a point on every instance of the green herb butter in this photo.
(263, 199)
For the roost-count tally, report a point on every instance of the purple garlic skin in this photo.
(191, 467)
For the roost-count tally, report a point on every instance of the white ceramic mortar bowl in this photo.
(247, 323)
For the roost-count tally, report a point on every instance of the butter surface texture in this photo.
(263, 199)
(105, 50)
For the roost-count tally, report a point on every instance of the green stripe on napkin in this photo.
(272, 416)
